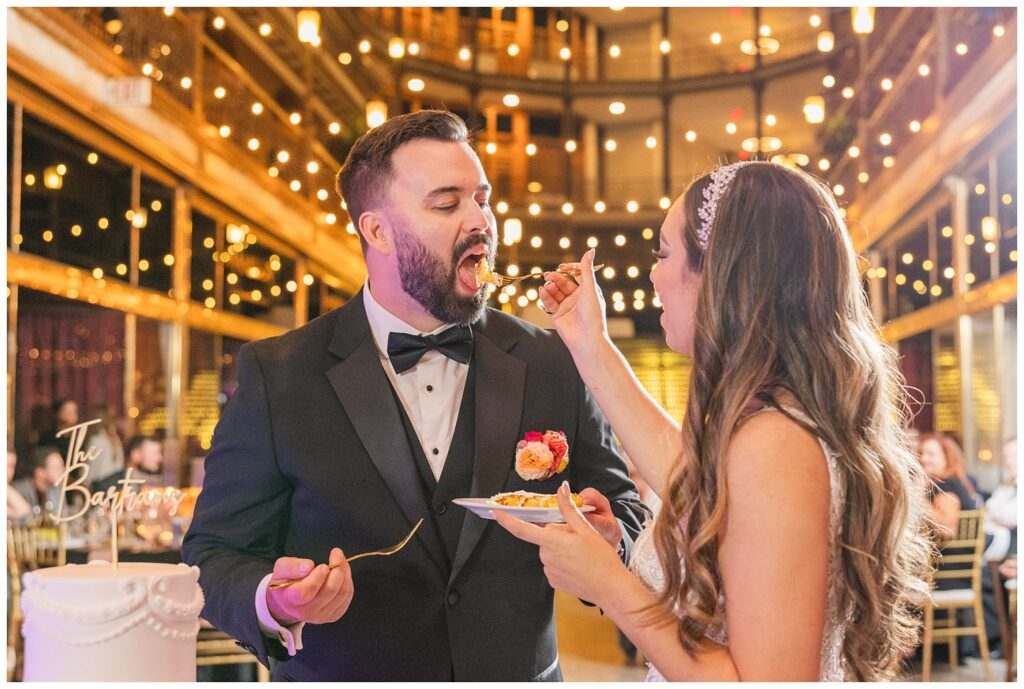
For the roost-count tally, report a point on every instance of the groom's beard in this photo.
(428, 280)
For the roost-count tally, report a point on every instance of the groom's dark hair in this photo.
(366, 174)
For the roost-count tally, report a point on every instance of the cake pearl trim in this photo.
(131, 611)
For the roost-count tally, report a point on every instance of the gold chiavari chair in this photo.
(961, 558)
(29, 547)
(214, 647)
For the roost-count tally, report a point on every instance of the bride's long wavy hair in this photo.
(781, 306)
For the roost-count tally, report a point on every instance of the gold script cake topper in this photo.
(117, 499)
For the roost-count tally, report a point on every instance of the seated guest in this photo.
(1001, 508)
(64, 414)
(40, 490)
(950, 492)
(18, 509)
(145, 456)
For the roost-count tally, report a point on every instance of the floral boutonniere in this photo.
(542, 455)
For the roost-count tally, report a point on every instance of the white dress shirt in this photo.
(431, 394)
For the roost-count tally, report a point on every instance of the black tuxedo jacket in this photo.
(311, 453)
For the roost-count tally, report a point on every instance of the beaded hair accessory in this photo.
(720, 180)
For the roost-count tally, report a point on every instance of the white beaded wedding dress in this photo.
(645, 564)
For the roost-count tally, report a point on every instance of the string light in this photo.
(633, 272)
(265, 29)
(219, 23)
(536, 242)
(651, 142)
(691, 136)
(283, 156)
(665, 203)
(220, 92)
(465, 54)
(600, 207)
(828, 81)
(312, 167)
(730, 127)
(225, 131)
(863, 177)
(591, 242)
(998, 30)
(531, 149)
(186, 83)
(92, 158)
(770, 120)
(334, 128)
(826, 41)
(924, 70)
(567, 208)
(716, 38)
(824, 164)
(853, 151)
(608, 273)
(396, 47)
(345, 58)
(491, 147)
(610, 145)
(295, 118)
(502, 207)
(295, 185)
(513, 49)
(257, 108)
(647, 233)
(839, 190)
(620, 240)
(565, 53)
(562, 25)
(168, 11)
(617, 107)
(364, 46)
(915, 126)
(886, 84)
(885, 139)
(847, 92)
(961, 48)
(416, 85)
(534, 209)
(614, 51)
(815, 21)
(632, 206)
(570, 146)
(510, 100)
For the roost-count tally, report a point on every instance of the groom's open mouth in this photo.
(470, 269)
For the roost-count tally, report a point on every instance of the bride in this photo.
(790, 539)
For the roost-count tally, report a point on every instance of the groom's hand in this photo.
(321, 595)
(602, 519)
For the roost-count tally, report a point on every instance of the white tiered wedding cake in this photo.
(95, 622)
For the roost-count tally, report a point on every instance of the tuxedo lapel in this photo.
(499, 389)
(364, 391)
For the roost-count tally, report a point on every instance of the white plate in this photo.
(483, 507)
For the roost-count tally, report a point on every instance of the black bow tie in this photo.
(405, 351)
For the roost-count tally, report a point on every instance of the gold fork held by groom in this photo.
(387, 551)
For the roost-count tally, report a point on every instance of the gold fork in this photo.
(506, 280)
(387, 551)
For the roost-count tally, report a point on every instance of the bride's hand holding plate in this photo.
(576, 558)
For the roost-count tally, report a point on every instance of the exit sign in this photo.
(129, 92)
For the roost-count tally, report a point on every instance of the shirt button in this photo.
(453, 597)
(436, 451)
(430, 388)
(441, 507)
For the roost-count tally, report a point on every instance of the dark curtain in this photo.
(65, 351)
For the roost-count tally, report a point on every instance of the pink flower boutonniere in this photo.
(542, 455)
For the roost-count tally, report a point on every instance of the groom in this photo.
(347, 431)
